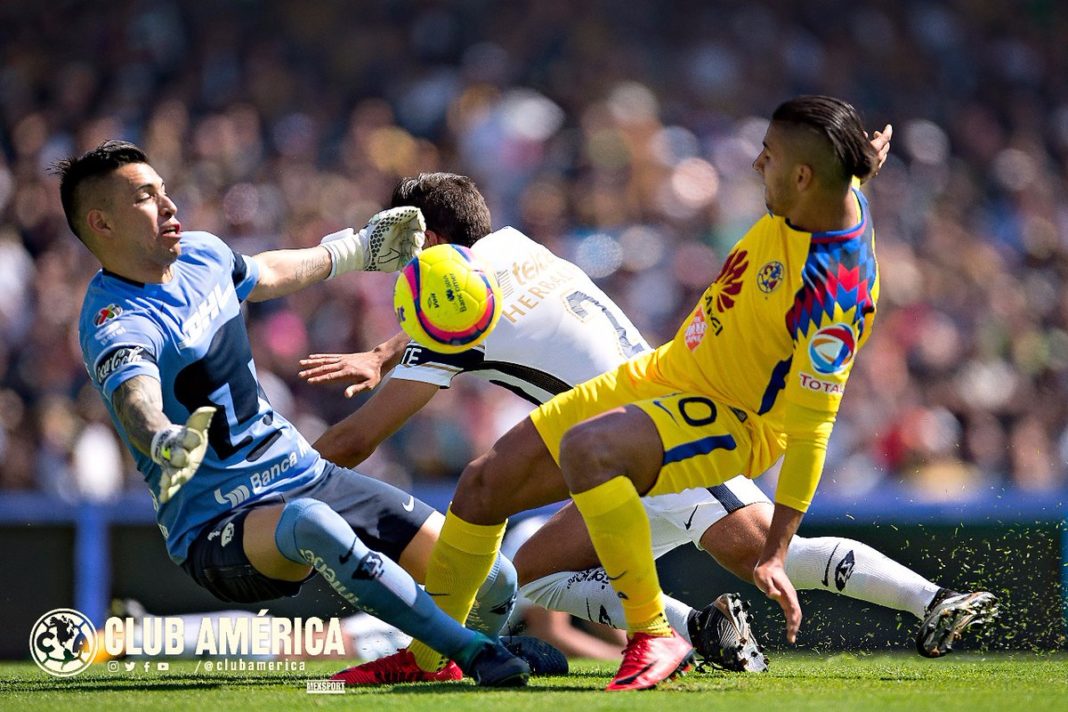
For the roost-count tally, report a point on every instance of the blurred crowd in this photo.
(618, 134)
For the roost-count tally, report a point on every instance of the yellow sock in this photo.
(619, 528)
(459, 564)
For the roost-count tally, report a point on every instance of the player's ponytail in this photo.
(840, 124)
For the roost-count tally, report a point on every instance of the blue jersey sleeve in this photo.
(127, 346)
(245, 273)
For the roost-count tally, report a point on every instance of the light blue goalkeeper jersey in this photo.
(190, 335)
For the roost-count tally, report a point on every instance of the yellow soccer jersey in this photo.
(780, 326)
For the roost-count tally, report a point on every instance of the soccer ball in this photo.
(446, 300)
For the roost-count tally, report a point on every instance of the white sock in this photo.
(589, 595)
(853, 569)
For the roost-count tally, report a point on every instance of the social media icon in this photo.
(163, 667)
(130, 667)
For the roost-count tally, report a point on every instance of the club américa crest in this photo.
(770, 276)
(63, 642)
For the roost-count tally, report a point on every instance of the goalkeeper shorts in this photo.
(385, 518)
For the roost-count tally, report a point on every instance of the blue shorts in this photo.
(385, 518)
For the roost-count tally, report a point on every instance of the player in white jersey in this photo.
(559, 329)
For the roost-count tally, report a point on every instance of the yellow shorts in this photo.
(705, 442)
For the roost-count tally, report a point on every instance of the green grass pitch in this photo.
(797, 681)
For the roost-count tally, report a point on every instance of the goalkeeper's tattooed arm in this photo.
(283, 272)
(138, 404)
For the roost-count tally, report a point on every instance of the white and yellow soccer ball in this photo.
(446, 300)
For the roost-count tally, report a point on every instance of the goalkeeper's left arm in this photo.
(385, 244)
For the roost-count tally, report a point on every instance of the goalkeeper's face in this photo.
(138, 219)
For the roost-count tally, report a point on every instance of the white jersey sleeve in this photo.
(557, 328)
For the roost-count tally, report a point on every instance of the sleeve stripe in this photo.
(240, 270)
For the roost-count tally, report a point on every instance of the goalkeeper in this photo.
(248, 509)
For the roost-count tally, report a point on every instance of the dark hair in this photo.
(74, 172)
(451, 204)
(839, 123)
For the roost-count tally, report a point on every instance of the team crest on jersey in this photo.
(832, 348)
(106, 314)
(770, 276)
(729, 282)
(695, 332)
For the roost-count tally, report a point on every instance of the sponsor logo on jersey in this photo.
(728, 284)
(770, 276)
(261, 480)
(111, 361)
(206, 312)
(832, 348)
(695, 332)
(106, 314)
(811, 383)
(110, 331)
(234, 497)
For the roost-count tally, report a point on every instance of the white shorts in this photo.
(682, 517)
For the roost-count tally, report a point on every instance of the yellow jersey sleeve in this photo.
(807, 434)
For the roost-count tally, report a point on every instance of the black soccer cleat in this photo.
(543, 659)
(493, 666)
(722, 637)
(948, 616)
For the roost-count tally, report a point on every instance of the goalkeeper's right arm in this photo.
(177, 449)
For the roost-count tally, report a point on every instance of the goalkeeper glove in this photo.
(179, 450)
(390, 239)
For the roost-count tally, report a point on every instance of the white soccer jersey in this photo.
(557, 328)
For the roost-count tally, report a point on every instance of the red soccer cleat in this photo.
(649, 659)
(399, 667)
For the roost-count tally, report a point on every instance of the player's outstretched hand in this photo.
(770, 577)
(179, 450)
(389, 240)
(880, 141)
(362, 371)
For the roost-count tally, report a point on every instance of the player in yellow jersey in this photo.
(758, 369)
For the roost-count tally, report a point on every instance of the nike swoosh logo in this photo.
(344, 558)
(827, 571)
(411, 503)
(690, 520)
(664, 408)
(437, 593)
(631, 678)
(615, 578)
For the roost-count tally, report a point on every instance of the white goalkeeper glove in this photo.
(390, 239)
(179, 450)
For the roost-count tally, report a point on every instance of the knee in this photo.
(474, 500)
(295, 519)
(524, 566)
(587, 456)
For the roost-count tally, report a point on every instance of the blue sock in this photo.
(309, 532)
(495, 599)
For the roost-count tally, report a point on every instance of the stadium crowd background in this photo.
(618, 134)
